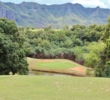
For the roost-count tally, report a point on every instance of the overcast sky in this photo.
(86, 3)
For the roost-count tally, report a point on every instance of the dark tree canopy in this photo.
(12, 55)
(103, 67)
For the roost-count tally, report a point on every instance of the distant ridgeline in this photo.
(36, 15)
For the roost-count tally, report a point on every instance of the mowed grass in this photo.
(61, 66)
(56, 64)
(54, 88)
(51, 64)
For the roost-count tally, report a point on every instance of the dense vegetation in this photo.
(12, 54)
(74, 43)
(103, 66)
(83, 44)
(88, 45)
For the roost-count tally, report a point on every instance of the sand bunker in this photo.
(46, 60)
(81, 69)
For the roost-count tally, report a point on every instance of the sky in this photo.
(86, 3)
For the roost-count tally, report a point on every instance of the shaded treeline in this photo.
(66, 43)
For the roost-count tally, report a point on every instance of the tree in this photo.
(107, 70)
(103, 67)
(106, 34)
(92, 57)
(12, 54)
(79, 53)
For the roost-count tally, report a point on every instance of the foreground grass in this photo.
(53, 88)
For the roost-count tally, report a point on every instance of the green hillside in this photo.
(37, 15)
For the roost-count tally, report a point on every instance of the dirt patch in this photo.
(45, 60)
(78, 69)
(81, 71)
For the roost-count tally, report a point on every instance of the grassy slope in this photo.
(51, 64)
(53, 88)
(56, 65)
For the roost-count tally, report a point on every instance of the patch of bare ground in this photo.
(45, 60)
(79, 70)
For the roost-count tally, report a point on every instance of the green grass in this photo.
(53, 88)
(56, 64)
(51, 64)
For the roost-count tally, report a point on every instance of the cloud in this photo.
(52, 1)
(108, 3)
(91, 3)
(86, 3)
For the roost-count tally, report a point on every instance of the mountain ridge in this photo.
(58, 15)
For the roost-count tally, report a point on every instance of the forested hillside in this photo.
(37, 15)
(83, 42)
(68, 43)
(87, 45)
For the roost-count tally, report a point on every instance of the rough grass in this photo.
(53, 88)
